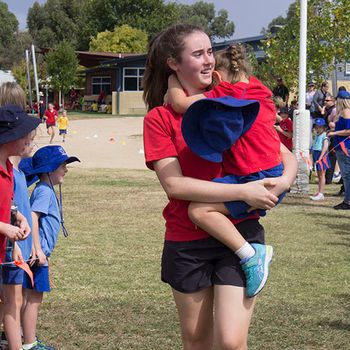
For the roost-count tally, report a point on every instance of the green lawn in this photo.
(109, 295)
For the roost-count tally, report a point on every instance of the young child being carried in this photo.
(255, 155)
(49, 166)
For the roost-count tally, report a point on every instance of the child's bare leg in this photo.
(321, 181)
(30, 313)
(255, 258)
(52, 133)
(12, 315)
(212, 218)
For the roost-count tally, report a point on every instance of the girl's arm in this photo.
(324, 148)
(36, 239)
(17, 253)
(177, 97)
(13, 233)
(186, 188)
(23, 225)
(285, 133)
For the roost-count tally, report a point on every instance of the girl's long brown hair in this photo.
(167, 44)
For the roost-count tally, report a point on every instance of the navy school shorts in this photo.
(41, 279)
(189, 267)
(12, 275)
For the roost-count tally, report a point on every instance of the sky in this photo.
(249, 16)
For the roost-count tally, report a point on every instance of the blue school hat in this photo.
(45, 160)
(343, 94)
(15, 123)
(320, 122)
(212, 125)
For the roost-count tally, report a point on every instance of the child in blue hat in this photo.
(255, 153)
(12, 275)
(49, 166)
(320, 159)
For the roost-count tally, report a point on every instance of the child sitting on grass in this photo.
(253, 156)
(49, 166)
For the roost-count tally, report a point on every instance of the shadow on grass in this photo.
(343, 323)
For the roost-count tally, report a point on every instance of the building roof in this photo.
(6, 76)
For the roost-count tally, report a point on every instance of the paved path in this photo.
(102, 143)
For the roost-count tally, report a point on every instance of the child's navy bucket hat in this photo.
(212, 125)
(45, 160)
(15, 123)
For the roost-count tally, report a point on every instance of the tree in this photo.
(327, 42)
(8, 29)
(59, 20)
(122, 39)
(62, 65)
(203, 14)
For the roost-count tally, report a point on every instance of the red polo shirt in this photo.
(6, 195)
(259, 148)
(51, 120)
(286, 125)
(163, 139)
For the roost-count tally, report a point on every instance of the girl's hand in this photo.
(257, 194)
(17, 253)
(23, 225)
(13, 233)
(280, 185)
(41, 256)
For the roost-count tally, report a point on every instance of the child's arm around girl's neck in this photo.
(177, 97)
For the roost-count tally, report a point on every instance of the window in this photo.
(347, 68)
(101, 84)
(133, 78)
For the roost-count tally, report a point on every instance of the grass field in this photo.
(108, 293)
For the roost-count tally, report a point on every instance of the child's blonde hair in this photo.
(278, 101)
(12, 93)
(342, 103)
(234, 61)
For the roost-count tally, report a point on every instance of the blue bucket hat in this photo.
(343, 94)
(320, 122)
(45, 160)
(15, 123)
(212, 125)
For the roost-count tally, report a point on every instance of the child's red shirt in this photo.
(6, 195)
(259, 148)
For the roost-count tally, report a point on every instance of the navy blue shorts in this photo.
(239, 209)
(62, 131)
(12, 275)
(195, 265)
(324, 164)
(41, 279)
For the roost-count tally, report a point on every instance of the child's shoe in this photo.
(39, 345)
(336, 178)
(317, 197)
(256, 269)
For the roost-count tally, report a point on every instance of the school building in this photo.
(120, 75)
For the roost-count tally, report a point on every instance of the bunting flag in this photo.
(319, 163)
(25, 267)
(342, 146)
(325, 161)
(305, 160)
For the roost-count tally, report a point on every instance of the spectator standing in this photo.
(311, 89)
(319, 99)
(281, 90)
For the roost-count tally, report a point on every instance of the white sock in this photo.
(245, 252)
(28, 346)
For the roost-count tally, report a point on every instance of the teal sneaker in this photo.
(256, 269)
(39, 345)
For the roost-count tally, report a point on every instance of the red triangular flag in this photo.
(342, 146)
(24, 266)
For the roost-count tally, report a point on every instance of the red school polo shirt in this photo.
(286, 125)
(259, 148)
(51, 120)
(6, 195)
(162, 139)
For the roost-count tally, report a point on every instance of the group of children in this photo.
(31, 235)
(51, 117)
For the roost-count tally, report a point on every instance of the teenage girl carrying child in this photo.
(253, 156)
